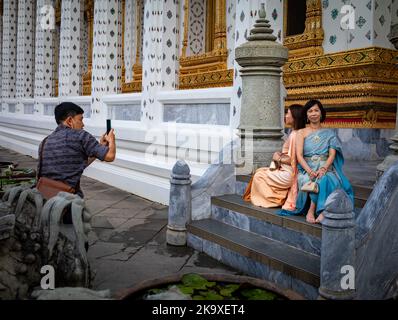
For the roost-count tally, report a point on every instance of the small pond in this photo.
(207, 287)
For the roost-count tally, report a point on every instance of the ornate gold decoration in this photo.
(58, 4)
(89, 14)
(210, 69)
(136, 84)
(310, 42)
(358, 87)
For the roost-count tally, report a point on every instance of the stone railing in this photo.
(193, 202)
(360, 255)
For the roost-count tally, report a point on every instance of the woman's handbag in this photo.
(48, 187)
(311, 186)
(278, 159)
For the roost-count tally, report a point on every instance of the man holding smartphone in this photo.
(66, 152)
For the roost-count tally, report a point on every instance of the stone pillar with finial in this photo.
(179, 204)
(393, 157)
(260, 129)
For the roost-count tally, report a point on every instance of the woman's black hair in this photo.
(297, 113)
(309, 105)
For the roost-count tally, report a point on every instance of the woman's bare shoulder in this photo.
(302, 132)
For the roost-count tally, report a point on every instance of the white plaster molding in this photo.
(213, 95)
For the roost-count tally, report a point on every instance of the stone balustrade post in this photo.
(179, 204)
(393, 157)
(260, 129)
(338, 248)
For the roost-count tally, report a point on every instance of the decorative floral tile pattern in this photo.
(47, 53)
(70, 64)
(130, 45)
(9, 48)
(383, 16)
(231, 17)
(197, 27)
(25, 49)
(107, 52)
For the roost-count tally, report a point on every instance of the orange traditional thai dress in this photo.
(276, 188)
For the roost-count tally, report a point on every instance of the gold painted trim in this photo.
(87, 77)
(210, 25)
(362, 77)
(209, 69)
(58, 7)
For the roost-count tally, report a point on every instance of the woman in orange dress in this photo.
(275, 188)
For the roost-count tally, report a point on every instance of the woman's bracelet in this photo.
(324, 168)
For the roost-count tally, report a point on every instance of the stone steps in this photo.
(361, 192)
(292, 230)
(257, 241)
(257, 255)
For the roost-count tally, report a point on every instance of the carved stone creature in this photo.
(32, 235)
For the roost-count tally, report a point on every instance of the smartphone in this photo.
(108, 125)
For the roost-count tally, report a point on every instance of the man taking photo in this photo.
(68, 150)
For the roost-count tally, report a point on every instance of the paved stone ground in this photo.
(128, 241)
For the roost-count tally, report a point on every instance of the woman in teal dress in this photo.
(320, 158)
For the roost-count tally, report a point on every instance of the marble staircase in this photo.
(260, 243)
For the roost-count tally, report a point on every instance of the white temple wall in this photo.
(246, 12)
(70, 64)
(130, 45)
(394, 12)
(383, 15)
(26, 50)
(196, 27)
(156, 127)
(371, 19)
(231, 17)
(84, 43)
(9, 57)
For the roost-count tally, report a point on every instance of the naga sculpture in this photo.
(32, 235)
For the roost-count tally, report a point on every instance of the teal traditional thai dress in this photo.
(316, 153)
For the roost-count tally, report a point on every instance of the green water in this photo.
(195, 287)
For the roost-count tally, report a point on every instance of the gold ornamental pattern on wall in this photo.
(309, 43)
(208, 69)
(358, 87)
(89, 15)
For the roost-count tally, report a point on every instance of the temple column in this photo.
(246, 12)
(129, 45)
(70, 67)
(260, 126)
(25, 48)
(107, 55)
(160, 52)
(9, 58)
(393, 157)
(45, 50)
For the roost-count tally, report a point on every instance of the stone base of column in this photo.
(176, 237)
(257, 149)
